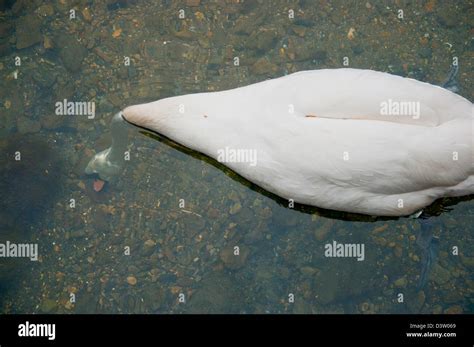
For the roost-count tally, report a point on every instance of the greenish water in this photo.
(133, 247)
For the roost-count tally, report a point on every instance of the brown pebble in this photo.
(86, 13)
(132, 280)
(48, 42)
(380, 228)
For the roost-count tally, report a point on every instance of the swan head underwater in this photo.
(351, 140)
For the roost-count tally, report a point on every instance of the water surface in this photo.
(133, 247)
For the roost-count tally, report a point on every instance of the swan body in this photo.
(342, 139)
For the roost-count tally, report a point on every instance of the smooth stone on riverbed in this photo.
(263, 39)
(149, 246)
(217, 294)
(440, 275)
(232, 261)
(263, 66)
(154, 298)
(28, 31)
(323, 231)
(71, 52)
(48, 306)
(235, 208)
(401, 282)
(45, 10)
(132, 280)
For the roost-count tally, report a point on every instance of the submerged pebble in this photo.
(132, 280)
(28, 31)
(401, 282)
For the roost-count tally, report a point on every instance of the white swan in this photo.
(344, 139)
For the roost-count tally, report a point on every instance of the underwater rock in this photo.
(247, 24)
(447, 16)
(86, 14)
(45, 10)
(398, 251)
(420, 301)
(48, 306)
(71, 52)
(132, 280)
(299, 30)
(401, 282)
(131, 303)
(216, 294)
(193, 223)
(28, 31)
(263, 66)
(154, 298)
(357, 49)
(263, 40)
(149, 246)
(45, 76)
(232, 261)
(72, 57)
(64, 90)
(213, 213)
(235, 208)
(380, 229)
(440, 275)
(323, 231)
(364, 307)
(425, 52)
(87, 302)
(308, 271)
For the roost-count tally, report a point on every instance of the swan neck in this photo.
(119, 133)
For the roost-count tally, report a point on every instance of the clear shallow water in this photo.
(188, 250)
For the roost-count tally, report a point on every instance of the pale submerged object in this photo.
(109, 163)
(344, 139)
